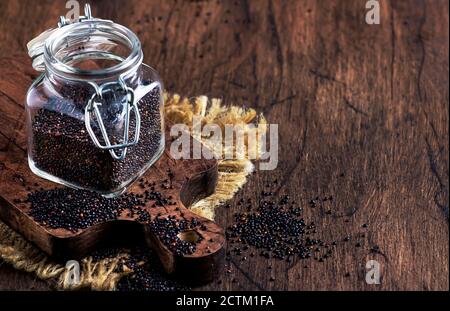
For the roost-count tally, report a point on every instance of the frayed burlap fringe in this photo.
(103, 274)
(22, 255)
(232, 173)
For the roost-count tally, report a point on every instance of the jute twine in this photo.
(103, 274)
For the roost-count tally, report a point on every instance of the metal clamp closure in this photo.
(131, 105)
(87, 16)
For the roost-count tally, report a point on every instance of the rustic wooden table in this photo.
(362, 112)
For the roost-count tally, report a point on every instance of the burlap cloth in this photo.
(102, 274)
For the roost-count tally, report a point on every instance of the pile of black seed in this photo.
(77, 209)
(148, 273)
(62, 147)
(70, 209)
(275, 228)
(278, 230)
(168, 228)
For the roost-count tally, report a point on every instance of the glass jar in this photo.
(95, 116)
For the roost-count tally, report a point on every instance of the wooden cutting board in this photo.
(190, 181)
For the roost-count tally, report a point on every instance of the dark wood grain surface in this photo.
(362, 113)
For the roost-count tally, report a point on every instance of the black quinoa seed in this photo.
(60, 140)
(276, 229)
(73, 210)
(168, 228)
(375, 249)
(148, 277)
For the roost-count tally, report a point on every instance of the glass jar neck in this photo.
(94, 50)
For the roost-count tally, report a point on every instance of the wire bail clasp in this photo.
(131, 105)
(87, 16)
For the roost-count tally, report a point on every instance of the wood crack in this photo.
(279, 52)
(393, 46)
(422, 50)
(10, 99)
(301, 152)
(441, 186)
(247, 276)
(325, 77)
(354, 108)
(12, 141)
